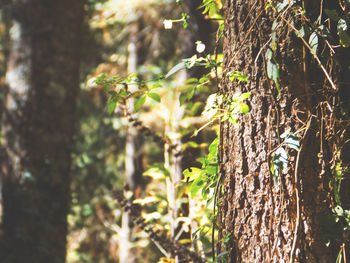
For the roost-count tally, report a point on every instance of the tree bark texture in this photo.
(39, 120)
(284, 221)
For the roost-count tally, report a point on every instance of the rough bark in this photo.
(262, 216)
(39, 118)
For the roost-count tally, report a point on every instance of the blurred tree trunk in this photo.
(39, 119)
(130, 154)
(284, 221)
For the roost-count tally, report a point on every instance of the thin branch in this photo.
(297, 194)
(312, 52)
(161, 249)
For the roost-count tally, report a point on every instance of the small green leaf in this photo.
(176, 68)
(237, 75)
(203, 79)
(292, 141)
(123, 92)
(211, 169)
(187, 95)
(154, 96)
(139, 103)
(157, 171)
(282, 5)
(226, 239)
(213, 149)
(301, 32)
(196, 186)
(99, 80)
(111, 106)
(273, 73)
(244, 96)
(272, 70)
(182, 98)
(313, 41)
(339, 210)
(244, 108)
(192, 173)
(191, 81)
(342, 26)
(280, 159)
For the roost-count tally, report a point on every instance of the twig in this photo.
(297, 194)
(312, 52)
(261, 49)
(161, 249)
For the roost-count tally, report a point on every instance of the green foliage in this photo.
(117, 88)
(204, 179)
(279, 162)
(342, 20)
(212, 8)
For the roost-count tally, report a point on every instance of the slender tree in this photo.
(277, 199)
(43, 80)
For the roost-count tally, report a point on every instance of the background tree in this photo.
(282, 201)
(38, 126)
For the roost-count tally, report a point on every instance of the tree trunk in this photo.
(130, 154)
(281, 220)
(39, 118)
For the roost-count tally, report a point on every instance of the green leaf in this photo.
(301, 32)
(203, 79)
(99, 80)
(272, 70)
(123, 92)
(280, 159)
(191, 81)
(237, 75)
(187, 95)
(244, 108)
(227, 238)
(139, 103)
(196, 186)
(313, 41)
(111, 106)
(292, 141)
(182, 98)
(213, 149)
(282, 5)
(273, 73)
(211, 169)
(339, 210)
(244, 96)
(342, 26)
(154, 96)
(176, 68)
(192, 173)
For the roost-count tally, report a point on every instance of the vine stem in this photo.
(297, 194)
(312, 52)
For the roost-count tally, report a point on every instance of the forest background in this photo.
(123, 124)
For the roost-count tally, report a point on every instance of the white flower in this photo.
(168, 24)
(200, 47)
